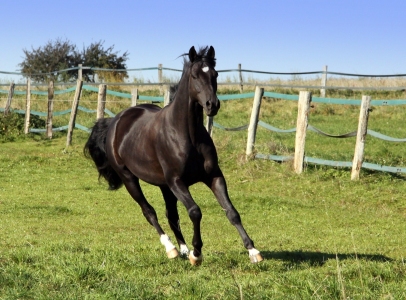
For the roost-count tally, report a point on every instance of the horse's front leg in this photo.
(181, 191)
(218, 185)
(173, 219)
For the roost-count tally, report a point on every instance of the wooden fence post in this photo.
(323, 82)
(361, 136)
(167, 97)
(27, 107)
(80, 72)
(134, 96)
(209, 125)
(9, 98)
(302, 122)
(240, 74)
(50, 108)
(160, 78)
(101, 101)
(252, 128)
(72, 119)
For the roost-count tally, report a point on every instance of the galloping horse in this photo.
(169, 148)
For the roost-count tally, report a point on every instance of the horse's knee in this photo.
(195, 213)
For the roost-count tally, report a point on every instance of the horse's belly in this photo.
(149, 172)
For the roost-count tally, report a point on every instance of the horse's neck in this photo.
(187, 115)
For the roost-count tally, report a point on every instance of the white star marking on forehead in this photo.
(205, 69)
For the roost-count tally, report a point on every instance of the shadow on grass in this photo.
(319, 258)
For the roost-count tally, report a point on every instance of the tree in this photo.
(95, 56)
(43, 63)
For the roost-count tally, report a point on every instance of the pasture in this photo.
(63, 235)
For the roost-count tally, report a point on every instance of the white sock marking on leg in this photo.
(184, 250)
(253, 251)
(165, 240)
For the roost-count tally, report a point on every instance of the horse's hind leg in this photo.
(219, 187)
(133, 187)
(173, 219)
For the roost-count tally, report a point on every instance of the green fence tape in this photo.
(346, 135)
(119, 94)
(280, 158)
(270, 127)
(81, 127)
(37, 113)
(235, 96)
(384, 137)
(388, 102)
(345, 164)
(217, 125)
(281, 96)
(17, 111)
(336, 101)
(63, 112)
(38, 130)
(109, 112)
(342, 164)
(90, 88)
(151, 98)
(69, 90)
(87, 110)
(383, 168)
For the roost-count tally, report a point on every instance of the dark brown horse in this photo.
(169, 148)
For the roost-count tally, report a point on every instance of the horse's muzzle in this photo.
(212, 107)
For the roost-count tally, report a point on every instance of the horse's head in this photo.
(203, 80)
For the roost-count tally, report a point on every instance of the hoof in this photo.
(256, 258)
(172, 253)
(195, 261)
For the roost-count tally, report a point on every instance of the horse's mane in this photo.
(201, 56)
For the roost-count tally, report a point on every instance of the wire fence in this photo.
(239, 79)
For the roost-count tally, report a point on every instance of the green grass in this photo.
(63, 235)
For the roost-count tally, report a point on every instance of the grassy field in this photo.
(63, 235)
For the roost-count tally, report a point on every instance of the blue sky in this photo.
(365, 37)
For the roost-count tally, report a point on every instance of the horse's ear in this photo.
(192, 54)
(211, 53)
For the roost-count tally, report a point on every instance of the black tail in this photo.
(96, 148)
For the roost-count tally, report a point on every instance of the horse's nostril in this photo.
(208, 104)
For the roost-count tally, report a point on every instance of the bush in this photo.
(12, 126)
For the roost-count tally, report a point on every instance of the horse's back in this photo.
(133, 118)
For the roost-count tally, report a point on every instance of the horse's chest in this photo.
(198, 165)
